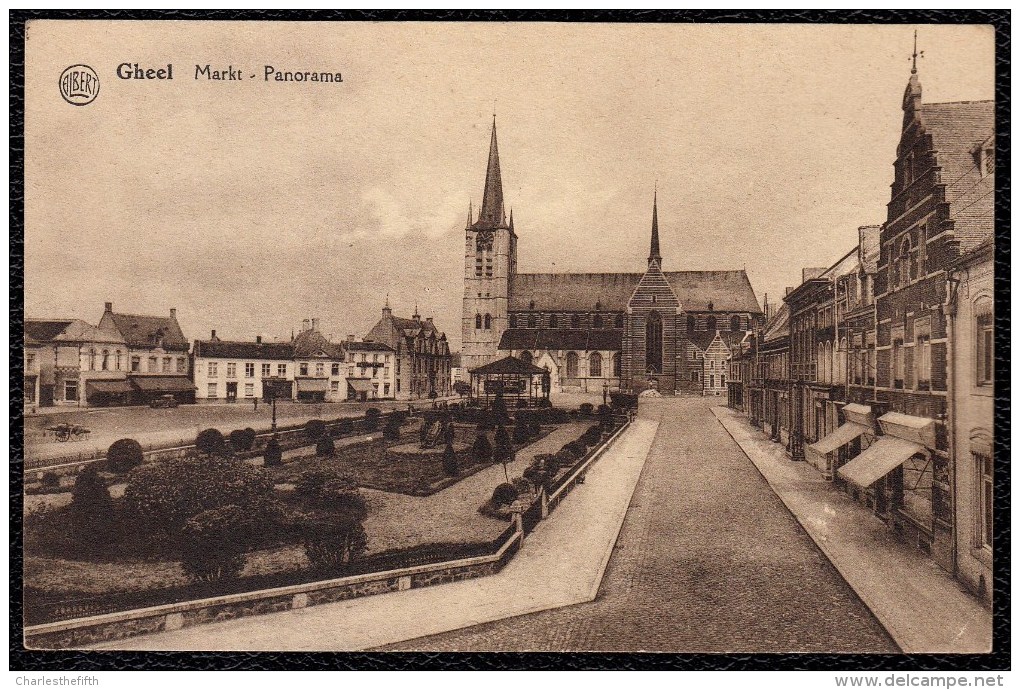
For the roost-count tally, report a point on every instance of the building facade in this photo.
(228, 371)
(320, 371)
(593, 331)
(69, 362)
(371, 370)
(422, 361)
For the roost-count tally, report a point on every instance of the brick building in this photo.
(422, 360)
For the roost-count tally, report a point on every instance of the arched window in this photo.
(820, 364)
(488, 322)
(117, 360)
(572, 365)
(595, 364)
(478, 322)
(92, 359)
(513, 321)
(841, 355)
(106, 360)
(617, 362)
(653, 343)
(619, 320)
(532, 321)
(597, 322)
(525, 357)
(735, 323)
(691, 323)
(575, 321)
(552, 321)
(710, 324)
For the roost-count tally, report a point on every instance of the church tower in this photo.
(490, 262)
(650, 337)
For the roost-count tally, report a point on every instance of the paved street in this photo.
(708, 560)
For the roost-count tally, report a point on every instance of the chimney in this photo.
(213, 336)
(315, 324)
(350, 337)
(109, 306)
(304, 325)
(173, 313)
(258, 340)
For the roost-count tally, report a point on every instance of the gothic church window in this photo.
(617, 361)
(710, 324)
(532, 321)
(653, 343)
(691, 322)
(595, 364)
(513, 321)
(572, 365)
(478, 322)
(598, 321)
(488, 322)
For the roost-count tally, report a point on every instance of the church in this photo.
(669, 331)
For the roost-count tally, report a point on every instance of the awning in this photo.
(361, 385)
(108, 387)
(162, 384)
(312, 385)
(840, 437)
(882, 457)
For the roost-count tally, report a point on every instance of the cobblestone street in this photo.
(708, 560)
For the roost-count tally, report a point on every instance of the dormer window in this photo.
(986, 161)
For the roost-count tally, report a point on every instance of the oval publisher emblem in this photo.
(79, 85)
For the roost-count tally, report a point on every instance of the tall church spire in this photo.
(491, 215)
(653, 257)
(912, 95)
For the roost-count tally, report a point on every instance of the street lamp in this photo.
(605, 392)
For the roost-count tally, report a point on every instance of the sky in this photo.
(249, 206)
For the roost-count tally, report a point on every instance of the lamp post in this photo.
(605, 392)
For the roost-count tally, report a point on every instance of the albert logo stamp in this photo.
(79, 84)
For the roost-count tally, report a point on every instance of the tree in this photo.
(91, 504)
(450, 461)
(482, 449)
(214, 541)
(211, 442)
(331, 527)
(124, 455)
(462, 388)
(273, 455)
(324, 447)
(499, 410)
(165, 495)
(504, 450)
(504, 494)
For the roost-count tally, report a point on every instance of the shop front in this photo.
(312, 390)
(108, 393)
(360, 390)
(145, 389)
(844, 443)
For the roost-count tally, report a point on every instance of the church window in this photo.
(532, 321)
(617, 361)
(735, 323)
(575, 321)
(571, 365)
(513, 321)
(653, 343)
(552, 321)
(711, 324)
(691, 322)
(595, 364)
(525, 357)
(598, 321)
(488, 322)
(619, 320)
(478, 322)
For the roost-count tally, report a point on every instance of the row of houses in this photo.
(879, 369)
(133, 359)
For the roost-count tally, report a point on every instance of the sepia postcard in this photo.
(509, 337)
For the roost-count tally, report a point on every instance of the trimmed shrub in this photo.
(344, 426)
(213, 543)
(565, 459)
(315, 429)
(502, 437)
(324, 447)
(331, 530)
(534, 429)
(504, 494)
(211, 442)
(499, 413)
(534, 474)
(482, 449)
(372, 418)
(521, 434)
(240, 441)
(449, 433)
(576, 448)
(165, 495)
(592, 435)
(485, 421)
(586, 408)
(91, 504)
(450, 467)
(391, 432)
(524, 485)
(50, 480)
(273, 454)
(124, 455)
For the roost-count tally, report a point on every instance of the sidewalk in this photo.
(918, 603)
(561, 563)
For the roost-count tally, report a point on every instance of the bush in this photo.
(165, 495)
(391, 432)
(242, 439)
(324, 447)
(586, 408)
(565, 458)
(485, 421)
(449, 433)
(211, 442)
(524, 485)
(91, 504)
(124, 455)
(50, 480)
(344, 427)
(592, 435)
(504, 494)
(521, 434)
(623, 401)
(311, 484)
(499, 413)
(331, 530)
(213, 543)
(372, 418)
(273, 454)
(482, 449)
(535, 475)
(450, 467)
(315, 429)
(534, 429)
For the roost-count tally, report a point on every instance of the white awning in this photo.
(840, 437)
(881, 457)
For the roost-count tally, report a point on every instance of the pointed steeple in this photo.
(470, 216)
(654, 259)
(912, 95)
(491, 215)
(511, 219)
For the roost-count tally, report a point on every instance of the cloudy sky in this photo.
(250, 206)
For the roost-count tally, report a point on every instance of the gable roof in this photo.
(242, 350)
(139, 330)
(309, 343)
(366, 345)
(724, 290)
(508, 365)
(778, 327)
(45, 330)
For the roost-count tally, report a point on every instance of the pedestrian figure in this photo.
(256, 401)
